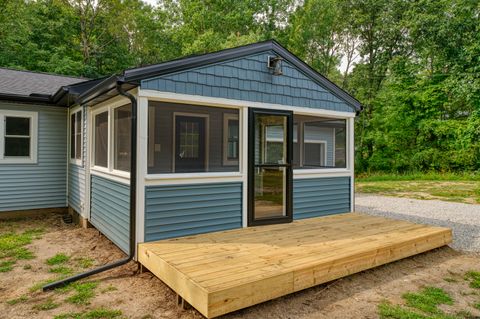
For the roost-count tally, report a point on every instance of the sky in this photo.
(152, 2)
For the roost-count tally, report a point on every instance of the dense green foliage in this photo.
(415, 65)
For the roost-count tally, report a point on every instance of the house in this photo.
(240, 137)
(209, 146)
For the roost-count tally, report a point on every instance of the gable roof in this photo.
(34, 86)
(134, 76)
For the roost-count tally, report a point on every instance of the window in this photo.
(122, 141)
(18, 137)
(231, 139)
(186, 138)
(112, 129)
(101, 140)
(319, 142)
(76, 136)
(274, 150)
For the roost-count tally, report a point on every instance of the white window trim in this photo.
(243, 106)
(227, 117)
(109, 170)
(75, 161)
(32, 159)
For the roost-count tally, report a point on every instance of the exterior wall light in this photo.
(275, 64)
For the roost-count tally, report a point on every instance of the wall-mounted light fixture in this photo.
(275, 64)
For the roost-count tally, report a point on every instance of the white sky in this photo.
(152, 2)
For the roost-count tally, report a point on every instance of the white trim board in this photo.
(33, 136)
(222, 102)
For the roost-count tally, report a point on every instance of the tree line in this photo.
(414, 64)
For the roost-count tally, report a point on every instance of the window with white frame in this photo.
(111, 138)
(321, 142)
(76, 136)
(185, 138)
(18, 137)
(231, 139)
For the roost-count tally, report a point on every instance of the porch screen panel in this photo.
(185, 138)
(101, 140)
(319, 142)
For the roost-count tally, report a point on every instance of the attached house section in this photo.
(320, 196)
(110, 209)
(34, 176)
(180, 210)
(77, 160)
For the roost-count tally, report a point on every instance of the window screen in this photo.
(320, 142)
(101, 140)
(17, 136)
(188, 138)
(121, 137)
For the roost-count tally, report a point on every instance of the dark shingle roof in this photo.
(25, 83)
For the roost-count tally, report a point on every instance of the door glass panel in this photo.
(270, 139)
(270, 190)
(271, 167)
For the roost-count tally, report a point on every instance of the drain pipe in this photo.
(133, 185)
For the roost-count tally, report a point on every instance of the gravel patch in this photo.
(463, 219)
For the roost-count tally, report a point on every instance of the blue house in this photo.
(237, 138)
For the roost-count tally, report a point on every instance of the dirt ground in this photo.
(144, 296)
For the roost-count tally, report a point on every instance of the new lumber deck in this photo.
(221, 272)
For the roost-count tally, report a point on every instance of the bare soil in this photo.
(144, 296)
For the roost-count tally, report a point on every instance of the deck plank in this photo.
(225, 271)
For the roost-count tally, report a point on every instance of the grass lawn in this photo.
(464, 188)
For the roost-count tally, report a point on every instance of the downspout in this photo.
(133, 203)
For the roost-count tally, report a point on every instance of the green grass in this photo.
(474, 278)
(12, 247)
(84, 262)
(84, 292)
(455, 191)
(61, 270)
(17, 300)
(386, 310)
(58, 259)
(47, 305)
(42, 283)
(420, 305)
(100, 313)
(428, 299)
(477, 306)
(418, 176)
(6, 266)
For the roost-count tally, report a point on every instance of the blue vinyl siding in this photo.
(43, 184)
(249, 79)
(320, 196)
(181, 210)
(76, 187)
(110, 210)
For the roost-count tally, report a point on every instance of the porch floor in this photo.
(221, 272)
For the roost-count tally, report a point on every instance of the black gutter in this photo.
(133, 185)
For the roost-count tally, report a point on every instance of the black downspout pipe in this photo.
(133, 185)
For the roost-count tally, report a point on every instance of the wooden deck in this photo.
(221, 272)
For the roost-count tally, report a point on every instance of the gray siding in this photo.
(320, 196)
(76, 187)
(249, 79)
(173, 211)
(110, 210)
(40, 185)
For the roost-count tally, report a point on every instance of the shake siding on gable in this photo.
(43, 184)
(249, 79)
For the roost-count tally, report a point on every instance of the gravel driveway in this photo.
(463, 219)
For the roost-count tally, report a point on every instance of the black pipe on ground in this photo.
(133, 203)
